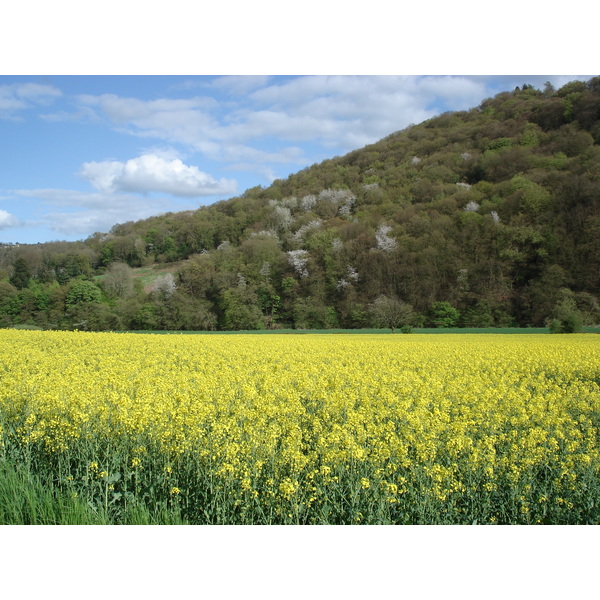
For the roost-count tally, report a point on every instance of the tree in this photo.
(21, 274)
(82, 292)
(565, 317)
(240, 309)
(164, 285)
(269, 302)
(118, 281)
(443, 314)
(392, 312)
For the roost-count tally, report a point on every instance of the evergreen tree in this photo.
(21, 274)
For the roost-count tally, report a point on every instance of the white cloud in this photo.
(20, 96)
(84, 114)
(240, 84)
(7, 220)
(337, 112)
(74, 213)
(152, 173)
(175, 120)
(36, 92)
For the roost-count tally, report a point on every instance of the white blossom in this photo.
(495, 216)
(385, 242)
(264, 233)
(164, 285)
(283, 217)
(472, 206)
(346, 207)
(352, 273)
(290, 202)
(337, 244)
(343, 283)
(308, 202)
(298, 259)
(463, 185)
(415, 160)
(314, 224)
(336, 196)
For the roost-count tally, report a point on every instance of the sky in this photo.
(81, 153)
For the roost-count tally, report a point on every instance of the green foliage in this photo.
(240, 310)
(21, 274)
(531, 196)
(565, 317)
(530, 136)
(443, 314)
(309, 313)
(82, 292)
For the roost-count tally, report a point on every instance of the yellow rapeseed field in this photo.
(311, 428)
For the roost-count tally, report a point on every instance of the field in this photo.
(299, 429)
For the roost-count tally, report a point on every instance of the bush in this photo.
(555, 326)
(565, 317)
(443, 314)
(572, 323)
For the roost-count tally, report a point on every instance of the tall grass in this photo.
(28, 499)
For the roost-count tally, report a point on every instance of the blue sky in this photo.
(79, 154)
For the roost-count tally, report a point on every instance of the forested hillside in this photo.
(486, 217)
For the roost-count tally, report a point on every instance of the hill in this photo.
(486, 217)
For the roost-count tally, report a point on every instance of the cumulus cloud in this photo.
(7, 220)
(152, 173)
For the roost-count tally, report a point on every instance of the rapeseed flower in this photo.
(443, 421)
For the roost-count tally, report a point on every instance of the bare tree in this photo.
(392, 313)
(118, 281)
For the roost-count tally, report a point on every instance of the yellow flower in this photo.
(287, 488)
(442, 416)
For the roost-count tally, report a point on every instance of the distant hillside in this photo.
(486, 217)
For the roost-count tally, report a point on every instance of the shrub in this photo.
(443, 314)
(565, 317)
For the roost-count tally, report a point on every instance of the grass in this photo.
(27, 500)
(458, 330)
(148, 274)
